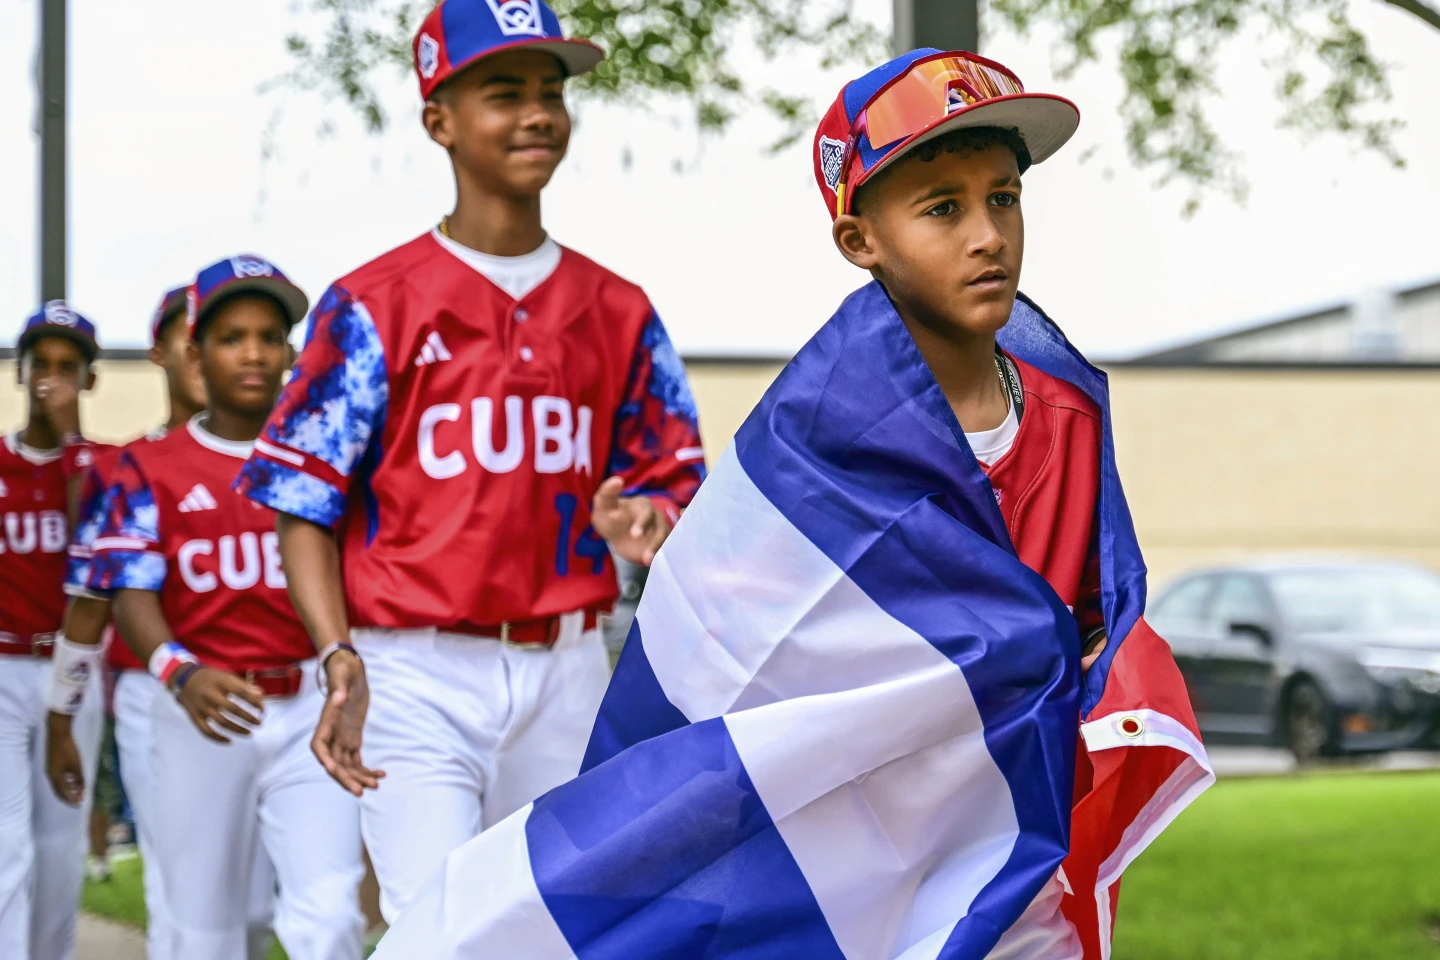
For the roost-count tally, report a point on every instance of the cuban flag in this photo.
(848, 722)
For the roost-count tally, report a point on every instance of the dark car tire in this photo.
(1309, 723)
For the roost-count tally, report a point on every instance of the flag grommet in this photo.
(1131, 727)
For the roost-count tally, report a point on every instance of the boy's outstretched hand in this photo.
(341, 730)
(632, 526)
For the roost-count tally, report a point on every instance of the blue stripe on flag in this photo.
(670, 853)
(922, 537)
(1034, 338)
(635, 707)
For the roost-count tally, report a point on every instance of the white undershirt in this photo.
(517, 276)
(990, 445)
(32, 454)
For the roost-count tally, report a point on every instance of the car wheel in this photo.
(1308, 723)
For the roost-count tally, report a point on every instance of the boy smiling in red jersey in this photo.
(477, 419)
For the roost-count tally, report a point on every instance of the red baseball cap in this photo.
(916, 97)
(459, 32)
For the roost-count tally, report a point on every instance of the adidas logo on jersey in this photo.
(198, 499)
(433, 351)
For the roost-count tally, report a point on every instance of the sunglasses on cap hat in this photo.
(921, 95)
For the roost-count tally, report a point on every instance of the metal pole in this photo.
(947, 24)
(52, 150)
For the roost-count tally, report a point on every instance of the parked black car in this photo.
(1324, 657)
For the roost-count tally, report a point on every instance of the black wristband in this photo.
(182, 677)
(320, 676)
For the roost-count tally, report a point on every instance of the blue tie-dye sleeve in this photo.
(657, 447)
(89, 521)
(127, 551)
(329, 417)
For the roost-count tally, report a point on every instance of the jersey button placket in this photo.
(520, 315)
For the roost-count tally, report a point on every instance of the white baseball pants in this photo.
(135, 692)
(42, 840)
(215, 803)
(467, 730)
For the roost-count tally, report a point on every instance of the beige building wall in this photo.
(1223, 464)
(1219, 464)
(128, 400)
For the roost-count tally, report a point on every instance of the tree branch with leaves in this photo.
(1326, 77)
(679, 48)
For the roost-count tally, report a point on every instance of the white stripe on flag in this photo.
(485, 889)
(861, 738)
(1190, 779)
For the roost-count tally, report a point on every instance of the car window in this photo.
(1186, 600)
(1402, 603)
(1239, 600)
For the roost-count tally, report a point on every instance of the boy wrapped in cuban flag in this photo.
(889, 693)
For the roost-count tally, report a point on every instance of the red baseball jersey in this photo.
(1048, 486)
(175, 526)
(456, 436)
(90, 513)
(34, 532)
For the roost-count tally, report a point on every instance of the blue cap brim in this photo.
(86, 343)
(576, 55)
(292, 299)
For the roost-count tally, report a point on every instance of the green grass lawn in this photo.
(1320, 867)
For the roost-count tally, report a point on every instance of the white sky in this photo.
(166, 175)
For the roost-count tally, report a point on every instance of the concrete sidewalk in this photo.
(104, 940)
(1271, 761)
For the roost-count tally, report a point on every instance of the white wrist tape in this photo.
(169, 658)
(72, 666)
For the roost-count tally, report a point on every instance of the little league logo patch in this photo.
(251, 267)
(58, 313)
(517, 17)
(429, 55)
(832, 155)
(79, 672)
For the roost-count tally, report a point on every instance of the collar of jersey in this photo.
(240, 449)
(490, 266)
(31, 454)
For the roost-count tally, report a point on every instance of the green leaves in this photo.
(678, 48)
(1167, 53)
